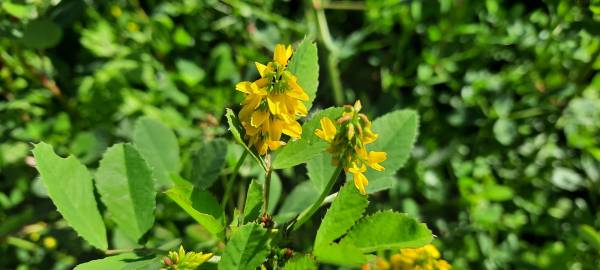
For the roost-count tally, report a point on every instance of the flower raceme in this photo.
(348, 144)
(272, 103)
(425, 258)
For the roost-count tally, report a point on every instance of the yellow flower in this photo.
(272, 103)
(424, 258)
(348, 144)
(182, 260)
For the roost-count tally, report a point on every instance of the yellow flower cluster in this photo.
(182, 260)
(425, 258)
(272, 103)
(348, 144)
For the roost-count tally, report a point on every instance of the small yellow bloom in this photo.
(348, 144)
(182, 260)
(272, 103)
(424, 258)
(49, 242)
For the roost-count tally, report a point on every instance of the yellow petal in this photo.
(357, 105)
(275, 129)
(328, 128)
(244, 87)
(293, 129)
(280, 55)
(296, 91)
(258, 118)
(300, 108)
(261, 84)
(360, 181)
(274, 145)
(262, 69)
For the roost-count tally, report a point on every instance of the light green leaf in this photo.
(235, 127)
(319, 170)
(201, 206)
(300, 262)
(345, 210)
(129, 261)
(247, 248)
(340, 254)
(26, 11)
(208, 162)
(190, 73)
(388, 230)
(70, 187)
(309, 146)
(253, 202)
(158, 145)
(303, 194)
(397, 134)
(125, 184)
(305, 65)
(41, 34)
(589, 234)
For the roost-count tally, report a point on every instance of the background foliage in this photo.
(506, 170)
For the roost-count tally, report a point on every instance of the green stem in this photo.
(305, 216)
(234, 174)
(332, 58)
(267, 187)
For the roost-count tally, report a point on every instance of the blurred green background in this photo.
(506, 170)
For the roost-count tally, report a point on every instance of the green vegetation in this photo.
(501, 100)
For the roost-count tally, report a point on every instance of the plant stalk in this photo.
(267, 187)
(306, 214)
(234, 174)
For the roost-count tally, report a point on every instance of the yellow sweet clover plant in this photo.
(348, 144)
(272, 103)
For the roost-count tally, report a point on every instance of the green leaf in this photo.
(158, 145)
(388, 230)
(309, 146)
(41, 34)
(26, 11)
(253, 202)
(302, 195)
(70, 187)
(235, 127)
(129, 261)
(247, 248)
(201, 206)
(319, 170)
(190, 73)
(300, 262)
(305, 65)
(345, 210)
(208, 162)
(125, 184)
(340, 254)
(592, 236)
(397, 134)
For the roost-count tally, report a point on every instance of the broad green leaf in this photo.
(208, 162)
(494, 192)
(397, 134)
(319, 170)
(41, 34)
(125, 184)
(70, 187)
(253, 202)
(340, 254)
(201, 206)
(301, 196)
(388, 230)
(305, 65)
(158, 145)
(126, 261)
(383, 183)
(247, 248)
(235, 127)
(309, 146)
(300, 262)
(345, 210)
